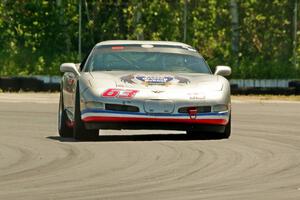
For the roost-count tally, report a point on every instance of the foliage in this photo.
(37, 35)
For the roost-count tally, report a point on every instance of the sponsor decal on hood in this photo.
(154, 79)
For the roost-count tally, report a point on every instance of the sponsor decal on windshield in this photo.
(117, 47)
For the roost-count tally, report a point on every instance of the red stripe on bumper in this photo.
(131, 119)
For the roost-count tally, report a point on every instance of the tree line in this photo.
(36, 36)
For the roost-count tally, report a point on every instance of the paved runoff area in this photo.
(260, 161)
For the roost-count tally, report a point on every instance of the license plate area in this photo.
(158, 106)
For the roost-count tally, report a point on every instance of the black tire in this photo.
(200, 135)
(63, 130)
(227, 132)
(212, 135)
(79, 130)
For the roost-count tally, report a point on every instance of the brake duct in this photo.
(192, 113)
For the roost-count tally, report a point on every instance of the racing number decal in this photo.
(127, 93)
(111, 93)
(119, 93)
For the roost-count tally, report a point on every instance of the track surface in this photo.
(260, 161)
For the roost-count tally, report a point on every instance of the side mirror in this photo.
(223, 70)
(69, 67)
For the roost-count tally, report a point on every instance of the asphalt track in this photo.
(260, 161)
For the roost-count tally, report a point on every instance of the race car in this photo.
(126, 84)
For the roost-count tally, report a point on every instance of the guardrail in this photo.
(34, 83)
(238, 86)
(261, 83)
(265, 86)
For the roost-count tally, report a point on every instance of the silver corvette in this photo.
(144, 85)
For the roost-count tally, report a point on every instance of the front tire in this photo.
(212, 135)
(63, 130)
(227, 132)
(79, 130)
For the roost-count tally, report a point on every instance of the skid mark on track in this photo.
(260, 161)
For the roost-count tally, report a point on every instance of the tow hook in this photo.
(193, 113)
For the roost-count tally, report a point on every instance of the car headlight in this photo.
(220, 108)
(94, 104)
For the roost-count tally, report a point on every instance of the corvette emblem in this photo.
(157, 91)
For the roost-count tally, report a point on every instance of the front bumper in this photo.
(104, 119)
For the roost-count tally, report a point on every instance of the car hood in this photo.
(155, 80)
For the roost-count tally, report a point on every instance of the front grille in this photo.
(200, 109)
(119, 107)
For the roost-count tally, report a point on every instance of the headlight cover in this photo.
(220, 108)
(94, 105)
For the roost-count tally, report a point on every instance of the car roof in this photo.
(141, 42)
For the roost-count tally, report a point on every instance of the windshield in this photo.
(150, 58)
